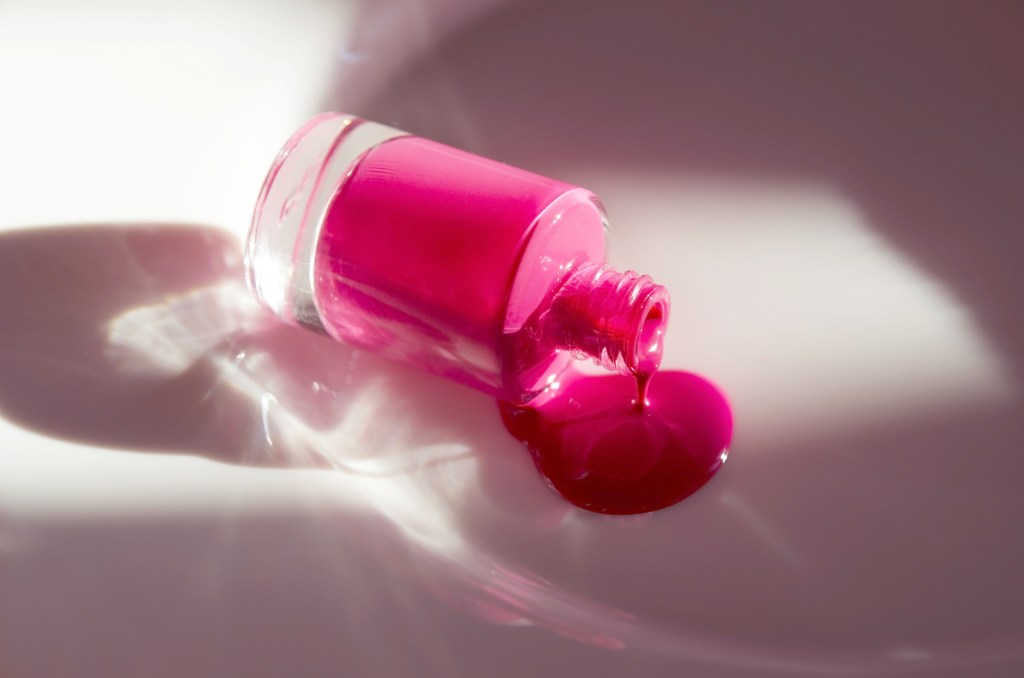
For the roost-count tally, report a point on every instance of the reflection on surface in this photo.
(890, 545)
(791, 299)
(150, 341)
(840, 234)
(307, 403)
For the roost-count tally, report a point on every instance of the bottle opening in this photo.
(618, 319)
(651, 337)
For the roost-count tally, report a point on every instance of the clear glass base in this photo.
(286, 223)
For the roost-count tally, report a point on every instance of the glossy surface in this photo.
(188, 491)
(486, 274)
(605, 454)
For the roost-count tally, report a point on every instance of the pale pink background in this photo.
(831, 192)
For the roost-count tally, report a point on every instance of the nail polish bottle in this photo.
(468, 268)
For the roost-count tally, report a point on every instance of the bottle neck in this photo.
(617, 319)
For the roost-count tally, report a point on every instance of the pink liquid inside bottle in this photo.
(468, 268)
(465, 267)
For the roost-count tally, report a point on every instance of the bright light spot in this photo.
(146, 110)
(265, 401)
(790, 299)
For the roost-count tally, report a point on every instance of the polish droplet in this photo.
(605, 453)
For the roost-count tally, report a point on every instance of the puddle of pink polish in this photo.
(605, 454)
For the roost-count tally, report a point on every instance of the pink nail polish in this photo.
(480, 272)
(462, 266)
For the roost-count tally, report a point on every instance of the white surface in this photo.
(832, 196)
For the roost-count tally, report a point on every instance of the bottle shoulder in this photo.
(570, 231)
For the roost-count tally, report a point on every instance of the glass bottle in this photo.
(468, 268)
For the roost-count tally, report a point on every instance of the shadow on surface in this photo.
(143, 337)
(912, 111)
(891, 548)
(897, 540)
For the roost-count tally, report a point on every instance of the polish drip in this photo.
(602, 452)
(601, 449)
(490, 276)
(617, 319)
